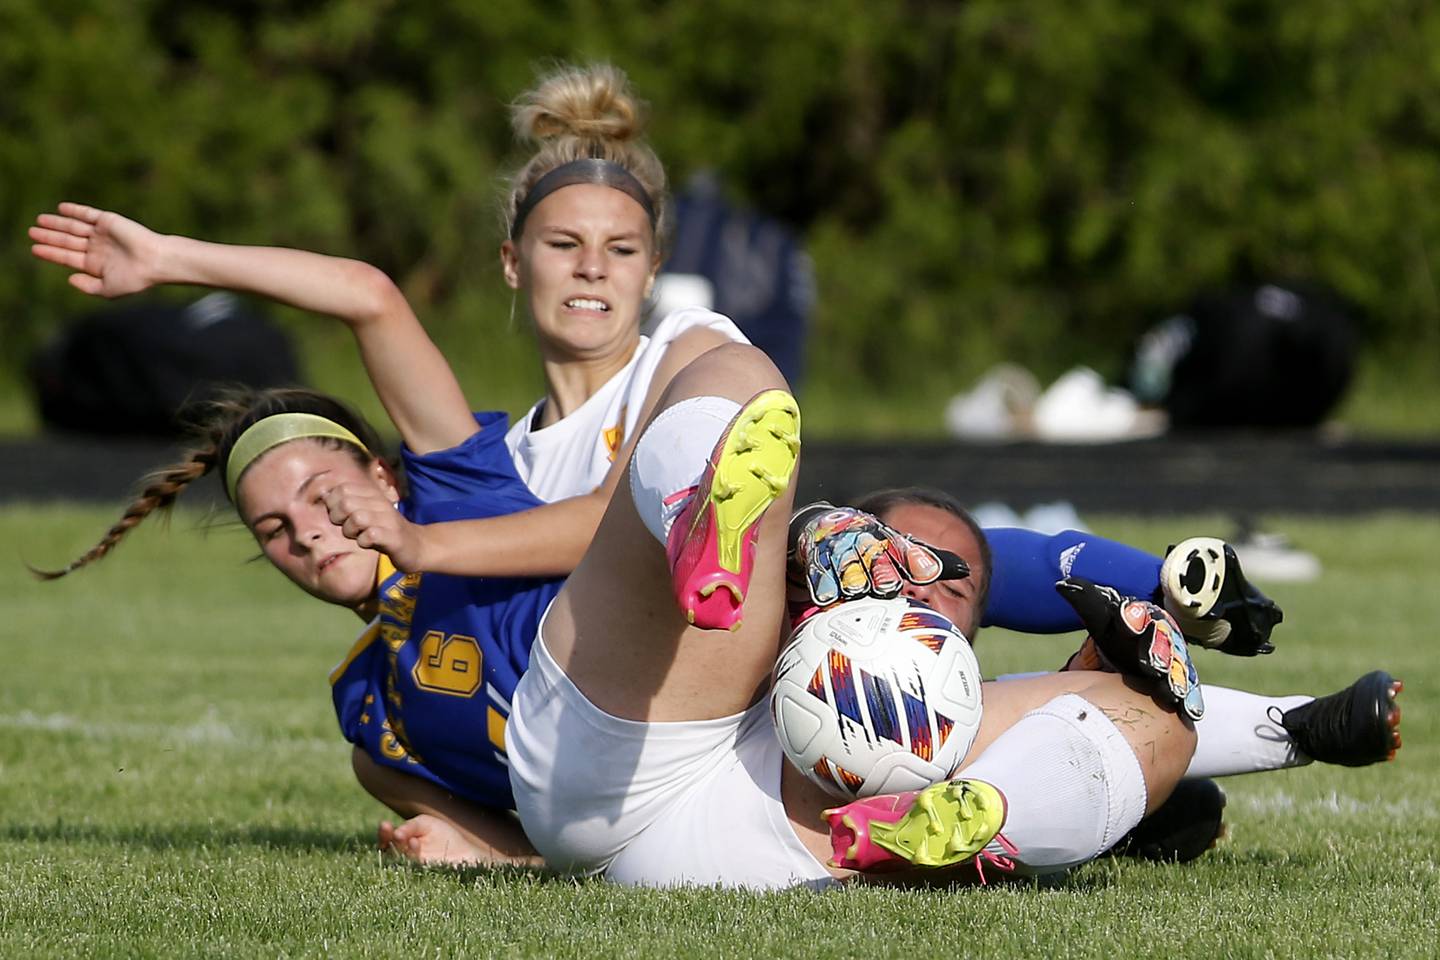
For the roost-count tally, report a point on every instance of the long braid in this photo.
(160, 490)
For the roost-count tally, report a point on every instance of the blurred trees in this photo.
(979, 180)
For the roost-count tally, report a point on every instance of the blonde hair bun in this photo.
(589, 103)
(584, 112)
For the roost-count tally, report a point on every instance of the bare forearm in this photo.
(547, 541)
(348, 289)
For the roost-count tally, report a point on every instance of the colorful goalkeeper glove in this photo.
(840, 553)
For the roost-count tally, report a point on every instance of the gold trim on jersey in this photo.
(367, 636)
(383, 571)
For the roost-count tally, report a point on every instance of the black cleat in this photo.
(1187, 824)
(1203, 587)
(1354, 727)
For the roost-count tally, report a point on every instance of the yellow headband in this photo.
(263, 435)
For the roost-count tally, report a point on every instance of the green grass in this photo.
(173, 785)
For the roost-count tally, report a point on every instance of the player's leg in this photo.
(626, 707)
(616, 630)
(1244, 732)
(1026, 564)
(1064, 767)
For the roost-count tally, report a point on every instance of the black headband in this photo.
(587, 170)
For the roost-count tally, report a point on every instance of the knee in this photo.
(734, 370)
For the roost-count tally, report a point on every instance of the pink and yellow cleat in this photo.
(943, 825)
(711, 546)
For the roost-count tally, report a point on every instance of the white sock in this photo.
(1238, 734)
(671, 455)
(1072, 784)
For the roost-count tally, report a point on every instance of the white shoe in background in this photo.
(1271, 557)
(1080, 408)
(997, 408)
(1046, 518)
(1053, 518)
(993, 513)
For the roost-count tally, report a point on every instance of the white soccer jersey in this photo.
(572, 456)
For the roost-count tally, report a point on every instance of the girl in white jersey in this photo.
(585, 218)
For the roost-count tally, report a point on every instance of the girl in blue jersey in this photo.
(424, 694)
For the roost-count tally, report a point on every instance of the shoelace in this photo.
(1001, 862)
(1317, 720)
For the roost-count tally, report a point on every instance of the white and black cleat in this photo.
(1204, 589)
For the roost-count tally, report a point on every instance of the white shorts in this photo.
(655, 804)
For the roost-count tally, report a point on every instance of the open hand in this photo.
(111, 256)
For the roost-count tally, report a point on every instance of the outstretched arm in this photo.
(112, 256)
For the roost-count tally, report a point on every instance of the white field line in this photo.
(209, 731)
(1337, 803)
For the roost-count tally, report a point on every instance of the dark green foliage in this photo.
(984, 180)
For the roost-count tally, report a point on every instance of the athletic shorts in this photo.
(653, 804)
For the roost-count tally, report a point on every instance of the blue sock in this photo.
(1027, 564)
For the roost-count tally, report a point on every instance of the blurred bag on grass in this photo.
(132, 369)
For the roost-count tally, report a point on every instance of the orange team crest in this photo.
(615, 437)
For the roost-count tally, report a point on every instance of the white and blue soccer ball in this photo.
(876, 696)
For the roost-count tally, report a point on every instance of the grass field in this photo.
(172, 784)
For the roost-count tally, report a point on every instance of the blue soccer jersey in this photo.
(426, 688)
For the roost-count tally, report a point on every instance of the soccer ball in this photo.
(876, 696)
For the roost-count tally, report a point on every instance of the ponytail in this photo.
(160, 490)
